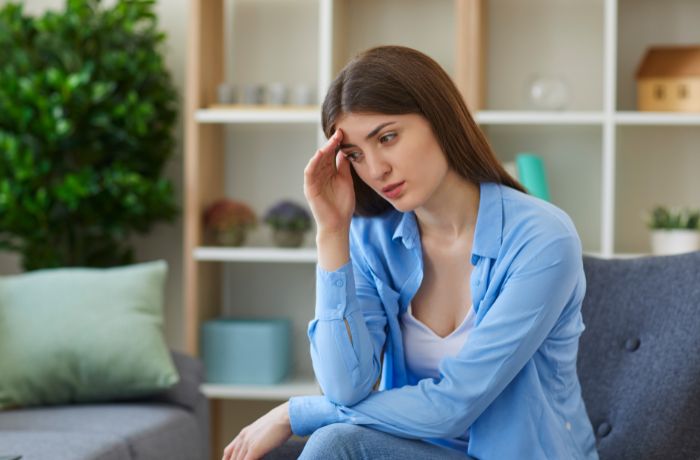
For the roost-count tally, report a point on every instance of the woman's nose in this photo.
(377, 166)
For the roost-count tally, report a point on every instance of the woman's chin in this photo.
(402, 205)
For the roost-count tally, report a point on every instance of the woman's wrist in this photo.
(333, 249)
(332, 234)
(285, 413)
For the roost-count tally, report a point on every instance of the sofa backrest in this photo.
(639, 356)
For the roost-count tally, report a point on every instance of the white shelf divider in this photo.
(505, 117)
(294, 386)
(255, 254)
(608, 142)
(310, 255)
(657, 118)
(620, 255)
(259, 114)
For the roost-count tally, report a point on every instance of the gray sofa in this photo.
(173, 425)
(639, 358)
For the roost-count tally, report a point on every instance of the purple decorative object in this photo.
(287, 215)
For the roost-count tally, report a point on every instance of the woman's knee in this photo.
(338, 440)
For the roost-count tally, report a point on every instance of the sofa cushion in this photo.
(639, 357)
(151, 431)
(186, 392)
(40, 445)
(83, 335)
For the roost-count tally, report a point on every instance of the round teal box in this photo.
(255, 351)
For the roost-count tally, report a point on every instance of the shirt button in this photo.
(568, 426)
(632, 344)
(339, 283)
(603, 429)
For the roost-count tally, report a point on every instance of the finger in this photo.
(339, 159)
(332, 143)
(227, 452)
(343, 165)
(329, 151)
(329, 146)
(236, 455)
(320, 167)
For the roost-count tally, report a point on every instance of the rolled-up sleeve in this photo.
(347, 365)
(541, 284)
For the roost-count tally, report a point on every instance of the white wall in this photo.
(165, 241)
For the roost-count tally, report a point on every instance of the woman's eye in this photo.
(387, 137)
(352, 156)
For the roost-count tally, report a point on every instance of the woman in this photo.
(448, 299)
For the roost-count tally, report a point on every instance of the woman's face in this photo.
(390, 149)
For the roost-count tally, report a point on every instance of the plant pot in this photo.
(674, 241)
(232, 237)
(288, 238)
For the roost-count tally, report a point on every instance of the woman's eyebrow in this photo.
(370, 135)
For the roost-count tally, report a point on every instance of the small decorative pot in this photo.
(288, 238)
(232, 237)
(674, 241)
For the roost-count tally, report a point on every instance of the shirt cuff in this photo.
(309, 413)
(333, 291)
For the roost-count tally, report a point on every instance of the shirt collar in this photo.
(407, 229)
(489, 223)
(488, 233)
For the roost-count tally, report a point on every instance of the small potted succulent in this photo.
(674, 230)
(289, 222)
(229, 220)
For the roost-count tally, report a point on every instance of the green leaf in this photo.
(87, 110)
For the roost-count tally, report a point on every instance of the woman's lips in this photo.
(394, 192)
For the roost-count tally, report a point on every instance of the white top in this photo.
(424, 349)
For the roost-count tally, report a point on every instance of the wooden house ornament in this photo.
(668, 79)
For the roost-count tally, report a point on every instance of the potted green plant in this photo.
(289, 222)
(87, 112)
(674, 230)
(229, 221)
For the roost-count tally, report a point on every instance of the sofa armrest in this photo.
(186, 391)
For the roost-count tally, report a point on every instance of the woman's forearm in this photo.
(333, 249)
(345, 367)
(333, 253)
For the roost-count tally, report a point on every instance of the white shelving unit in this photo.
(276, 255)
(606, 162)
(303, 385)
(242, 114)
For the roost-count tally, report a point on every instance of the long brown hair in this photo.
(399, 80)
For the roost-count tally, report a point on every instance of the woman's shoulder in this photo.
(529, 216)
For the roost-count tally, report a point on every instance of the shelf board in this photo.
(619, 255)
(255, 254)
(306, 255)
(505, 117)
(657, 118)
(259, 114)
(311, 114)
(294, 386)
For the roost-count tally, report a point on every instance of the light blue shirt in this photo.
(513, 386)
